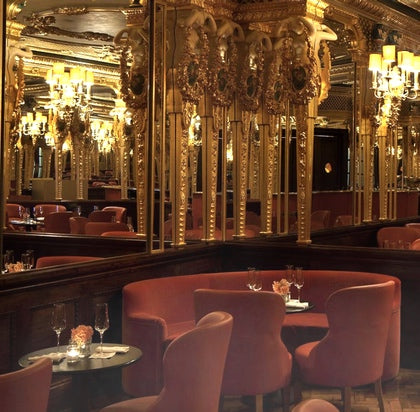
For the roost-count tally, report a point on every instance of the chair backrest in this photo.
(57, 222)
(320, 219)
(120, 233)
(193, 367)
(97, 228)
(315, 405)
(27, 389)
(77, 224)
(14, 210)
(415, 245)
(46, 261)
(358, 318)
(396, 237)
(43, 209)
(102, 216)
(120, 212)
(343, 220)
(257, 361)
(413, 225)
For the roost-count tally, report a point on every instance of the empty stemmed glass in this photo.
(290, 278)
(101, 319)
(250, 282)
(299, 280)
(58, 320)
(257, 281)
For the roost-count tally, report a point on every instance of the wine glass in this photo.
(299, 280)
(58, 320)
(290, 277)
(31, 254)
(101, 319)
(250, 282)
(258, 281)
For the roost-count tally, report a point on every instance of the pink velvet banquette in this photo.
(156, 311)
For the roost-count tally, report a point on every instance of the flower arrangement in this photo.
(14, 267)
(82, 335)
(281, 286)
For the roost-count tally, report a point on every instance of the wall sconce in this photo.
(394, 74)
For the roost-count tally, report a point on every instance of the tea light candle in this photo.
(72, 354)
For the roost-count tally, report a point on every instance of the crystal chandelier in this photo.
(36, 127)
(394, 74)
(102, 133)
(69, 89)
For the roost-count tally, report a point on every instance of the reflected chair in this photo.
(343, 220)
(57, 222)
(27, 389)
(97, 228)
(77, 224)
(13, 211)
(415, 245)
(257, 361)
(353, 351)
(43, 209)
(46, 261)
(396, 237)
(413, 225)
(102, 216)
(120, 233)
(315, 405)
(320, 219)
(192, 370)
(120, 213)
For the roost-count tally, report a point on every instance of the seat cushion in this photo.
(177, 329)
(300, 328)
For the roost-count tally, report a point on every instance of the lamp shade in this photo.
(388, 52)
(375, 62)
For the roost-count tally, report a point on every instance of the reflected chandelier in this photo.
(394, 74)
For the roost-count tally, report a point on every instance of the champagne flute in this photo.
(101, 319)
(290, 278)
(250, 283)
(58, 320)
(299, 280)
(258, 281)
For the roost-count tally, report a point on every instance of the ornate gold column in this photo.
(222, 76)
(187, 80)
(134, 80)
(301, 38)
(244, 113)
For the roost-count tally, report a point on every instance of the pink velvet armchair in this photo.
(27, 389)
(258, 361)
(193, 370)
(359, 319)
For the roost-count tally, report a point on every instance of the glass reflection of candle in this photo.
(72, 354)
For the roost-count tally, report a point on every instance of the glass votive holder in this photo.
(72, 353)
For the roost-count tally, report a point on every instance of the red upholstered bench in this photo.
(155, 311)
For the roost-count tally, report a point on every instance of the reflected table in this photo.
(79, 370)
(28, 224)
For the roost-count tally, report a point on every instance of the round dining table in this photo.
(80, 370)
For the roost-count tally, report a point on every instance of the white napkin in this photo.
(294, 303)
(103, 355)
(54, 356)
(116, 349)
